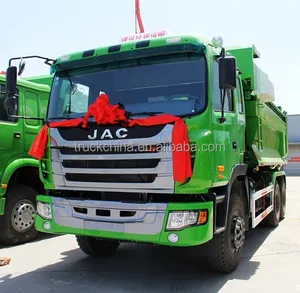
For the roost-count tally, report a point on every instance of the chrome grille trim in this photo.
(164, 171)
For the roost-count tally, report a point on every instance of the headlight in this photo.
(181, 219)
(44, 210)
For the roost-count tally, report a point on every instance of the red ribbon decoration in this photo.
(104, 113)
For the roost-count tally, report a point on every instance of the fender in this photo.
(13, 167)
(237, 170)
(277, 174)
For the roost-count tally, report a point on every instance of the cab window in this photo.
(5, 112)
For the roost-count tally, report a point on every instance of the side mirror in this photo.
(11, 80)
(21, 67)
(227, 73)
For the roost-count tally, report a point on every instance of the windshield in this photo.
(164, 85)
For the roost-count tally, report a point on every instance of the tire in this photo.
(283, 200)
(224, 254)
(272, 220)
(17, 223)
(97, 247)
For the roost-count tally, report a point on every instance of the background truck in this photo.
(19, 173)
(109, 183)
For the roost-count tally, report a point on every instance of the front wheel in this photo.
(17, 223)
(93, 246)
(226, 247)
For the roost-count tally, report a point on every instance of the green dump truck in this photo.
(111, 183)
(19, 172)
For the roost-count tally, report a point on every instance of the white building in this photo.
(293, 166)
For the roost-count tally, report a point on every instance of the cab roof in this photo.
(134, 45)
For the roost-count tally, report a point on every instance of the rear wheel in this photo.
(283, 200)
(93, 246)
(226, 247)
(17, 223)
(273, 218)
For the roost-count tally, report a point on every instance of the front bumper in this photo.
(124, 221)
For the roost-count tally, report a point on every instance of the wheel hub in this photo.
(238, 231)
(22, 217)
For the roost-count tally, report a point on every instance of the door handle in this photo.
(234, 145)
(17, 134)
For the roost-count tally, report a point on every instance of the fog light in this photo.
(44, 210)
(173, 238)
(47, 225)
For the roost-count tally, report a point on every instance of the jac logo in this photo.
(120, 133)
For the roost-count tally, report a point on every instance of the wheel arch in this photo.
(280, 177)
(238, 181)
(17, 172)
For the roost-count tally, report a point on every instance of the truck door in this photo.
(35, 105)
(10, 133)
(241, 121)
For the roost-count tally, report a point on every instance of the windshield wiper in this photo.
(73, 89)
(143, 113)
(62, 118)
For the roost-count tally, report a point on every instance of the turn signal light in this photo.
(202, 218)
(220, 168)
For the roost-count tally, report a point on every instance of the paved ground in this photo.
(271, 263)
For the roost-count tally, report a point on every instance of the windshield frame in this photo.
(175, 57)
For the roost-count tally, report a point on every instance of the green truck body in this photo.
(106, 197)
(19, 172)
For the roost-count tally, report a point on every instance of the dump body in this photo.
(43, 79)
(266, 124)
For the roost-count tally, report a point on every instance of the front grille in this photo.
(111, 178)
(142, 164)
(111, 164)
(109, 150)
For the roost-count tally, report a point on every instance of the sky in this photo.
(59, 27)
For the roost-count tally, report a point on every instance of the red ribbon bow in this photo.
(104, 113)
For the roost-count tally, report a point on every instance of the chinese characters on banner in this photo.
(144, 36)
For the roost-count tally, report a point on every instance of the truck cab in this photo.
(21, 118)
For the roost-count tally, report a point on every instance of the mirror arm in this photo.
(48, 61)
(223, 94)
(12, 95)
(223, 53)
(222, 119)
